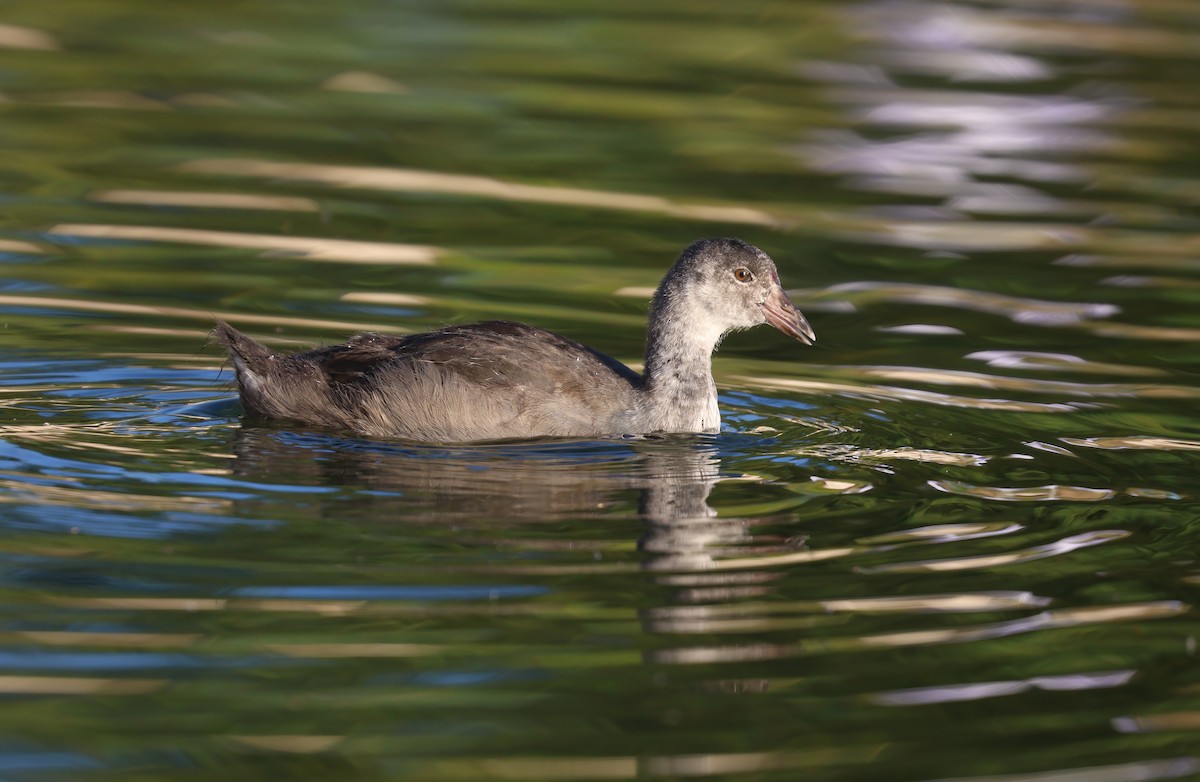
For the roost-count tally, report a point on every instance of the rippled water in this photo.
(956, 539)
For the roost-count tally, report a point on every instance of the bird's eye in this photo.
(743, 274)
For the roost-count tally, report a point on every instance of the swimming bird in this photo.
(499, 380)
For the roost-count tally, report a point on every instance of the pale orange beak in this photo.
(783, 315)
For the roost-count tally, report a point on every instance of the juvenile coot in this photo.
(500, 380)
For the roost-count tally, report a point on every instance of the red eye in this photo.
(743, 274)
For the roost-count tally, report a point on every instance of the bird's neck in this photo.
(679, 393)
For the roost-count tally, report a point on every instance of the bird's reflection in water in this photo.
(491, 495)
(489, 489)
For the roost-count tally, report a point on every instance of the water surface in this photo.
(954, 540)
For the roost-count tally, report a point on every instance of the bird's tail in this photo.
(251, 360)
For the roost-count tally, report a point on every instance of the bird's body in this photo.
(486, 371)
(499, 380)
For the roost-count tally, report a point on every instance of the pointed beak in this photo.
(783, 315)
